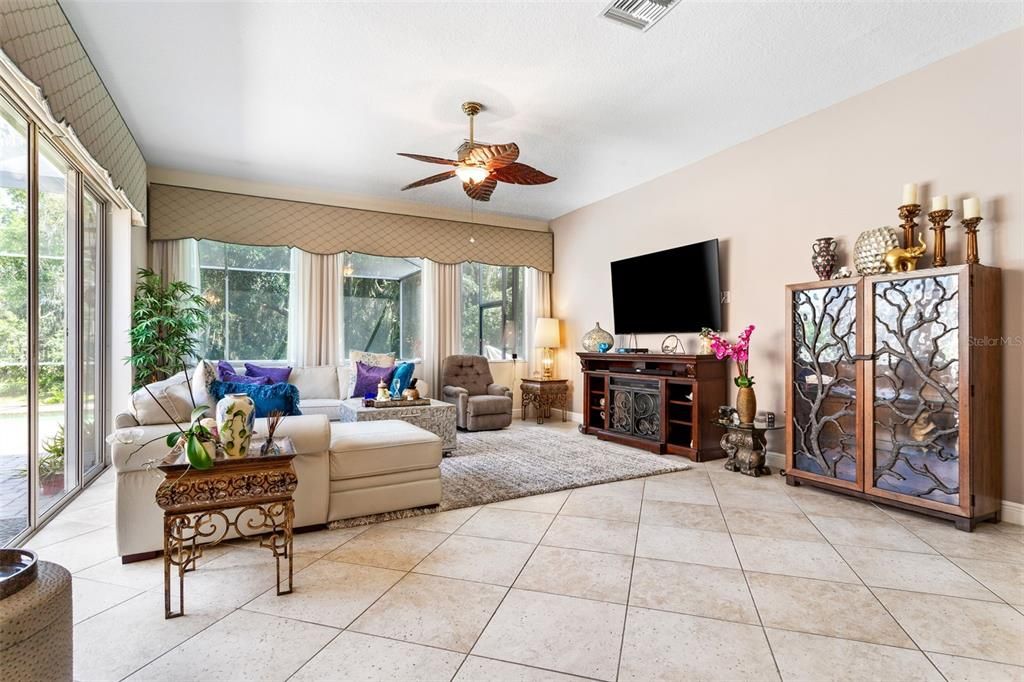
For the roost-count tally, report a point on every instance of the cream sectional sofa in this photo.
(345, 470)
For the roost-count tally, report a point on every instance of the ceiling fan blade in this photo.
(494, 155)
(430, 159)
(521, 174)
(480, 191)
(431, 180)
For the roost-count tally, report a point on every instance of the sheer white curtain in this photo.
(175, 260)
(314, 308)
(442, 319)
(538, 304)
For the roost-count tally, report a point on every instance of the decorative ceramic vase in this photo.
(824, 258)
(871, 247)
(411, 394)
(746, 404)
(705, 345)
(236, 414)
(595, 337)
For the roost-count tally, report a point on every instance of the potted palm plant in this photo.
(166, 320)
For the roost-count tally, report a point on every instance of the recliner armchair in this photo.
(480, 404)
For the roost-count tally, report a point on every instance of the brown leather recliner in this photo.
(480, 404)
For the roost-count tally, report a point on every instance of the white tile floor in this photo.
(702, 574)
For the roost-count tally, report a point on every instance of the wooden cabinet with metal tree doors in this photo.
(923, 428)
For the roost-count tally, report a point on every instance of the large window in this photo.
(51, 360)
(492, 310)
(247, 288)
(382, 299)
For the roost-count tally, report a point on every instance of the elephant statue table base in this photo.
(745, 444)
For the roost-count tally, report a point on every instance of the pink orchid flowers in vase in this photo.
(746, 401)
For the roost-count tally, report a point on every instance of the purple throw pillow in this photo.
(277, 375)
(243, 379)
(368, 376)
(223, 369)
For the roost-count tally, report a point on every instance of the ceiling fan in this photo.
(481, 166)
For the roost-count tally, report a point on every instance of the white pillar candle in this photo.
(940, 203)
(909, 194)
(972, 207)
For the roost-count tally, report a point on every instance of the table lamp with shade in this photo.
(546, 336)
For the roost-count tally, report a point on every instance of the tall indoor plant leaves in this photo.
(166, 318)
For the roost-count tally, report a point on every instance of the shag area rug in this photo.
(491, 466)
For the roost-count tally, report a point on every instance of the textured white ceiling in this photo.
(323, 94)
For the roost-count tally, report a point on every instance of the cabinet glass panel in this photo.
(916, 377)
(825, 381)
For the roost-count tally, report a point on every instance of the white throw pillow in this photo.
(205, 373)
(172, 394)
(371, 359)
(315, 382)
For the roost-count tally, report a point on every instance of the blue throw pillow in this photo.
(267, 397)
(401, 378)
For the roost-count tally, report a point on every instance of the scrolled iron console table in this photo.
(250, 495)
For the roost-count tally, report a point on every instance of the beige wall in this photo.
(954, 126)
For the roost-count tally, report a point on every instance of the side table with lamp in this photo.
(545, 392)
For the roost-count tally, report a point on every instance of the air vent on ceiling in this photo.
(640, 14)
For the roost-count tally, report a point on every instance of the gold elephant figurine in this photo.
(904, 260)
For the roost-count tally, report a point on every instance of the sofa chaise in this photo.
(345, 470)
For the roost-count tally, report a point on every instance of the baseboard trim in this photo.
(1012, 512)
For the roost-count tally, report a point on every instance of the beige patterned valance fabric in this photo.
(37, 37)
(184, 212)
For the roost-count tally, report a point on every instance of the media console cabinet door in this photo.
(915, 443)
(823, 376)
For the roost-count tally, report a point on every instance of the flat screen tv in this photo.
(668, 292)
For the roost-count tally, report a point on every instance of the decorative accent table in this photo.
(438, 417)
(544, 394)
(199, 509)
(745, 444)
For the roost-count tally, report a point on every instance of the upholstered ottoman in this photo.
(382, 466)
(36, 628)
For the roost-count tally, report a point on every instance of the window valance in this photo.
(185, 212)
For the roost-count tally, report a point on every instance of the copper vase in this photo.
(746, 404)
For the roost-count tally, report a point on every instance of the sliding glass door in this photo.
(51, 341)
(14, 360)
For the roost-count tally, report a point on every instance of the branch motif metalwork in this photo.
(825, 381)
(917, 374)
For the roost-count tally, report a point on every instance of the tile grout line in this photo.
(629, 588)
(951, 560)
(875, 596)
(746, 581)
(508, 590)
(380, 596)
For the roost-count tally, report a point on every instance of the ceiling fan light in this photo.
(472, 174)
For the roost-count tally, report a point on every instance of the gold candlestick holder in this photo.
(907, 214)
(971, 228)
(938, 220)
